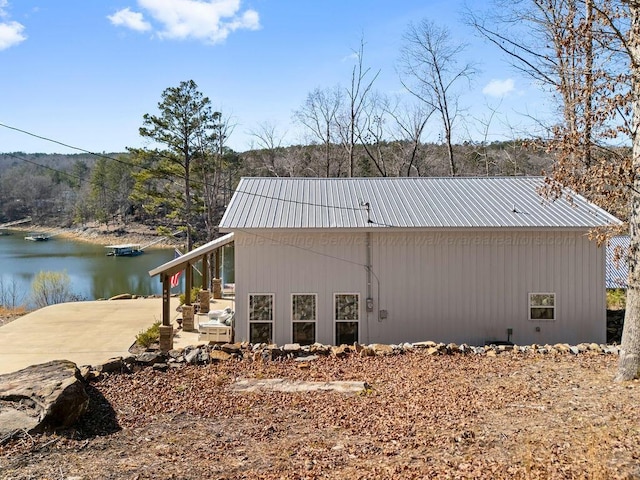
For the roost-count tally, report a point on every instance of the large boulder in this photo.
(41, 397)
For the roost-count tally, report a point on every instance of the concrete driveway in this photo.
(86, 333)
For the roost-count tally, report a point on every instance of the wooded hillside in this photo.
(57, 189)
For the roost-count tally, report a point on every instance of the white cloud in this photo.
(11, 33)
(499, 88)
(351, 56)
(210, 21)
(127, 18)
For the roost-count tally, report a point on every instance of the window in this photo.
(303, 318)
(347, 315)
(261, 318)
(542, 306)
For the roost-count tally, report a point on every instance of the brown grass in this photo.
(9, 314)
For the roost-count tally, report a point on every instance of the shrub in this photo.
(11, 296)
(194, 295)
(616, 299)
(149, 336)
(49, 288)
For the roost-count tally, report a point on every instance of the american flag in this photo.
(175, 278)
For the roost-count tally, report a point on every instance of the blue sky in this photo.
(85, 72)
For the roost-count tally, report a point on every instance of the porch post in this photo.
(188, 283)
(204, 296)
(166, 329)
(166, 297)
(217, 282)
(187, 309)
(205, 272)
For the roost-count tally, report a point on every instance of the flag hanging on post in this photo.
(175, 278)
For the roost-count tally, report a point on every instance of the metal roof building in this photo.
(617, 266)
(387, 260)
(416, 202)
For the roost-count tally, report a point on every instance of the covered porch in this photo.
(210, 256)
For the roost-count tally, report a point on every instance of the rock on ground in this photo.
(41, 397)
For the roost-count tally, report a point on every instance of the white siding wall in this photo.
(443, 286)
(282, 264)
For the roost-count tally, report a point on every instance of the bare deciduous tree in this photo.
(319, 114)
(574, 49)
(588, 52)
(407, 130)
(267, 145)
(431, 71)
(362, 80)
(629, 363)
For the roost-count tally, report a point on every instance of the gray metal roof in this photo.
(417, 202)
(617, 271)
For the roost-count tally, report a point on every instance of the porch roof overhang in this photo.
(178, 264)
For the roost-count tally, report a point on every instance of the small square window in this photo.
(542, 306)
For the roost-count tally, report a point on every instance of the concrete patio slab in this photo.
(86, 333)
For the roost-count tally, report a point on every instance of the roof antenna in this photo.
(368, 207)
(514, 209)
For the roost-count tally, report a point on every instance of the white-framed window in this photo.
(542, 306)
(304, 314)
(261, 315)
(346, 308)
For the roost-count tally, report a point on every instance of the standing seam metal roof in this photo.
(416, 202)
(617, 269)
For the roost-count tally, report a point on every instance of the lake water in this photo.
(93, 275)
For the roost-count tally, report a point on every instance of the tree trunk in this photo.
(629, 362)
(452, 164)
(588, 105)
(187, 198)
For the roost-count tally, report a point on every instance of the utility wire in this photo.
(182, 177)
(305, 249)
(61, 172)
(299, 202)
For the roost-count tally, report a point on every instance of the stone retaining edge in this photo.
(202, 354)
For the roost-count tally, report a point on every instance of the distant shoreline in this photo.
(102, 235)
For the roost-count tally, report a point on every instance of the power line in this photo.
(61, 172)
(182, 177)
(55, 170)
(293, 245)
(67, 145)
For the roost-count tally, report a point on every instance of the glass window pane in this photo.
(347, 307)
(304, 333)
(304, 307)
(540, 313)
(260, 332)
(260, 308)
(542, 300)
(346, 332)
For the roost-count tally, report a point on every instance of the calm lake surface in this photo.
(93, 274)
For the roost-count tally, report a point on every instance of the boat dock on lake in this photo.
(125, 250)
(38, 237)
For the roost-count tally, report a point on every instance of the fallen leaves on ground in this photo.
(512, 416)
